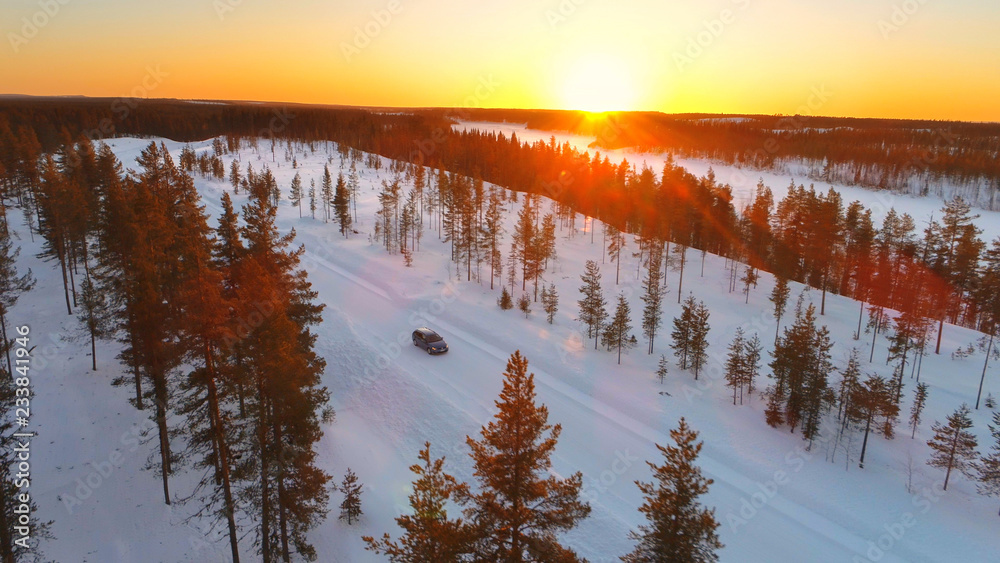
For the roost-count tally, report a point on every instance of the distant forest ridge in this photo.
(916, 157)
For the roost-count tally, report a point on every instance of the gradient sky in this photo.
(818, 57)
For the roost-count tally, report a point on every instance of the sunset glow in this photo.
(931, 60)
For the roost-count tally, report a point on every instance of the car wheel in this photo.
(415, 342)
(428, 351)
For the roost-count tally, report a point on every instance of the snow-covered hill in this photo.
(776, 501)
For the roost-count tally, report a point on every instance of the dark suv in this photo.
(429, 340)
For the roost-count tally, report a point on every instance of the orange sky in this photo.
(871, 58)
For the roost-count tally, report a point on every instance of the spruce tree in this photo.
(779, 297)
(679, 527)
(592, 305)
(234, 176)
(652, 297)
(736, 364)
(954, 446)
(350, 507)
(550, 302)
(342, 205)
(917, 410)
(617, 332)
(699, 338)
(312, 198)
(93, 315)
(662, 369)
(429, 535)
(326, 194)
(296, 195)
(682, 334)
(521, 505)
(748, 279)
(504, 301)
(751, 355)
(493, 232)
(800, 365)
(524, 304)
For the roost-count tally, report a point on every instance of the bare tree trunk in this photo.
(989, 350)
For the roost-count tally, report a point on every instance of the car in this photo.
(429, 340)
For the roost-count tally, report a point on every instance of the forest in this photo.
(214, 318)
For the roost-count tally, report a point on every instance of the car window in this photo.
(433, 337)
(418, 336)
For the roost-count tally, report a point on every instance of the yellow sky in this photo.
(870, 58)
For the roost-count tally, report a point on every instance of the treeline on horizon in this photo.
(916, 157)
(943, 272)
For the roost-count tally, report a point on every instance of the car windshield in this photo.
(433, 337)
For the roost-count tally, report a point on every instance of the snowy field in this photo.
(776, 501)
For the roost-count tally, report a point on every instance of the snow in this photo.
(776, 501)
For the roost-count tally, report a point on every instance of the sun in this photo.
(598, 84)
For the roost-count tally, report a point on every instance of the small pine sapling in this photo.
(350, 508)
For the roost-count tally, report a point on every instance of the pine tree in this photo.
(988, 468)
(550, 302)
(521, 505)
(779, 296)
(917, 410)
(751, 354)
(350, 507)
(736, 364)
(662, 369)
(682, 334)
(312, 198)
(679, 527)
(681, 251)
(617, 332)
(353, 184)
(326, 193)
(288, 492)
(748, 279)
(592, 306)
(504, 301)
(93, 315)
(429, 535)
(342, 205)
(493, 232)
(800, 365)
(524, 304)
(699, 338)
(850, 378)
(652, 297)
(868, 401)
(954, 446)
(234, 176)
(615, 247)
(296, 193)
